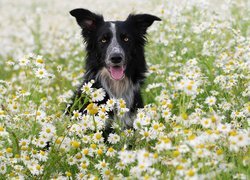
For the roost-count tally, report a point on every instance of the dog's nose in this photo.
(116, 58)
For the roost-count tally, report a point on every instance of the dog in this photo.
(115, 57)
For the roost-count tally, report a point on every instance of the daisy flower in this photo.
(97, 95)
(102, 165)
(146, 134)
(111, 152)
(41, 73)
(113, 138)
(211, 100)
(49, 129)
(84, 165)
(76, 115)
(87, 88)
(97, 137)
(127, 157)
(111, 103)
(39, 61)
(24, 62)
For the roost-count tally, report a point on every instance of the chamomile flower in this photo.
(76, 115)
(97, 137)
(92, 108)
(120, 165)
(144, 158)
(102, 165)
(111, 152)
(111, 103)
(191, 174)
(211, 100)
(146, 134)
(22, 142)
(85, 139)
(113, 138)
(127, 157)
(188, 86)
(41, 73)
(107, 174)
(49, 130)
(103, 116)
(3, 132)
(75, 129)
(224, 128)
(35, 168)
(87, 88)
(240, 140)
(39, 61)
(191, 87)
(42, 156)
(97, 95)
(3, 168)
(84, 165)
(164, 143)
(24, 61)
(166, 114)
(206, 123)
(40, 142)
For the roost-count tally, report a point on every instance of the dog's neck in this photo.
(123, 88)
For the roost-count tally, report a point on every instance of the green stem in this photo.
(94, 123)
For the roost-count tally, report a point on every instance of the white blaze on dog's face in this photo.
(115, 56)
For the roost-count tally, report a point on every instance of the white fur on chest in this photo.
(118, 89)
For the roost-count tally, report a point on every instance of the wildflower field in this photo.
(196, 119)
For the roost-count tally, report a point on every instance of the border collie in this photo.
(115, 56)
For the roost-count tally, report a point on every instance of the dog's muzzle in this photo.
(116, 66)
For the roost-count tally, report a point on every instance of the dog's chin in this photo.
(116, 73)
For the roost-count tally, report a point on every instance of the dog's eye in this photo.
(125, 39)
(103, 40)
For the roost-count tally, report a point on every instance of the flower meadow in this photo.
(196, 120)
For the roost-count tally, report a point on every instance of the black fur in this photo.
(94, 29)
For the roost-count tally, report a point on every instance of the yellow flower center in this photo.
(75, 144)
(99, 152)
(84, 165)
(92, 109)
(9, 150)
(219, 152)
(190, 173)
(146, 134)
(68, 174)
(38, 167)
(40, 61)
(191, 137)
(176, 153)
(78, 156)
(85, 151)
(189, 87)
(110, 149)
(93, 146)
(98, 136)
(184, 116)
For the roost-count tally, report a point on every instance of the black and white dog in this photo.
(115, 56)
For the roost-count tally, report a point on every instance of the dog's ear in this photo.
(142, 21)
(86, 19)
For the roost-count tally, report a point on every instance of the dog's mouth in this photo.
(117, 72)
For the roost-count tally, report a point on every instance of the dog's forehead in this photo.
(118, 25)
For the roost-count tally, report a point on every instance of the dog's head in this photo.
(115, 43)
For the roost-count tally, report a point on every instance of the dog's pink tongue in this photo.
(117, 72)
